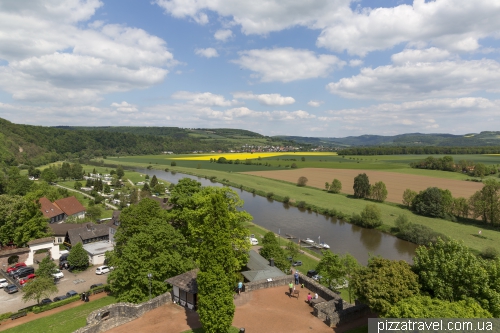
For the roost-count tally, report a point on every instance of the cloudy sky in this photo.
(330, 68)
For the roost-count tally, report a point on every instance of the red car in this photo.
(27, 279)
(16, 266)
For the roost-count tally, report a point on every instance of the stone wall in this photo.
(118, 314)
(263, 284)
(5, 254)
(315, 287)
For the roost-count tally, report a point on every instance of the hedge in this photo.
(38, 309)
(6, 315)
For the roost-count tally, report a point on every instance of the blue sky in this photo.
(329, 68)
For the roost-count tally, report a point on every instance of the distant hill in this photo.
(37, 145)
(488, 138)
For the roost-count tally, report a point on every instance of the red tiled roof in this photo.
(70, 205)
(48, 209)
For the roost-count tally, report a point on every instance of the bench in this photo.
(18, 315)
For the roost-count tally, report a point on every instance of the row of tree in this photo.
(435, 202)
(446, 163)
(363, 189)
(428, 150)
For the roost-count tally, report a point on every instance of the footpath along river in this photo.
(342, 237)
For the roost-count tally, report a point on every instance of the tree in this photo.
(217, 266)
(159, 188)
(153, 182)
(361, 186)
(327, 186)
(48, 175)
(77, 185)
(302, 181)
(78, 257)
(120, 172)
(379, 191)
(16, 183)
(429, 202)
(94, 212)
(486, 202)
(155, 248)
(385, 282)
(107, 189)
(76, 171)
(292, 250)
(46, 268)
(331, 268)
(351, 266)
(426, 307)
(41, 287)
(371, 216)
(460, 207)
(65, 171)
(336, 186)
(449, 271)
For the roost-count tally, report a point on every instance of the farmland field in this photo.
(396, 183)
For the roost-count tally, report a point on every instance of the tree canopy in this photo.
(361, 186)
(78, 257)
(39, 288)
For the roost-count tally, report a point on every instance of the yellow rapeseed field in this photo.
(244, 156)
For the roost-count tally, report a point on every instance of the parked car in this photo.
(3, 283)
(71, 293)
(64, 257)
(254, 241)
(63, 264)
(314, 275)
(96, 285)
(24, 272)
(45, 301)
(11, 288)
(60, 298)
(102, 270)
(15, 270)
(27, 279)
(16, 266)
(58, 274)
(297, 263)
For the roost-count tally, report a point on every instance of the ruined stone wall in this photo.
(118, 314)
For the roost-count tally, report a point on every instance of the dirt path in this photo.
(396, 183)
(32, 316)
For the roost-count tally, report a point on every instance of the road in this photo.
(86, 195)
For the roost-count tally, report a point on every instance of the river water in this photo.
(342, 237)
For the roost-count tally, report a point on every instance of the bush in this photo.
(173, 163)
(302, 181)
(370, 217)
(489, 253)
(301, 204)
(6, 315)
(416, 233)
(286, 199)
(269, 195)
(293, 166)
(38, 309)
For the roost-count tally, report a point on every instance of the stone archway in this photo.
(42, 243)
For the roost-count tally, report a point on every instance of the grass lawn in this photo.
(64, 321)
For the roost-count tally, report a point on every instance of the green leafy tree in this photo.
(379, 191)
(269, 238)
(361, 186)
(120, 172)
(351, 266)
(331, 268)
(94, 212)
(217, 265)
(426, 307)
(385, 282)
(155, 248)
(76, 171)
(46, 268)
(292, 250)
(153, 182)
(78, 257)
(486, 202)
(159, 188)
(336, 186)
(39, 288)
(77, 185)
(65, 171)
(429, 202)
(460, 207)
(16, 183)
(107, 189)
(302, 181)
(371, 216)
(449, 271)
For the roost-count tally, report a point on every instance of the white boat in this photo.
(325, 246)
(308, 240)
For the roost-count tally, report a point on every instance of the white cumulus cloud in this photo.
(266, 99)
(223, 35)
(205, 98)
(287, 64)
(209, 52)
(314, 103)
(124, 107)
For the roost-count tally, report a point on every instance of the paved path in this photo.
(86, 195)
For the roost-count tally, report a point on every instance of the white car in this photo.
(254, 241)
(3, 283)
(102, 270)
(58, 274)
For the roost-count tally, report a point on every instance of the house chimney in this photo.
(271, 262)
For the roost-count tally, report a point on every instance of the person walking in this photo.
(296, 275)
(240, 286)
(290, 288)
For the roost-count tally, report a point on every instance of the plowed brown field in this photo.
(396, 183)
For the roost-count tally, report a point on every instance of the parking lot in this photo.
(78, 282)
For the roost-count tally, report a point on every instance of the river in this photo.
(342, 237)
